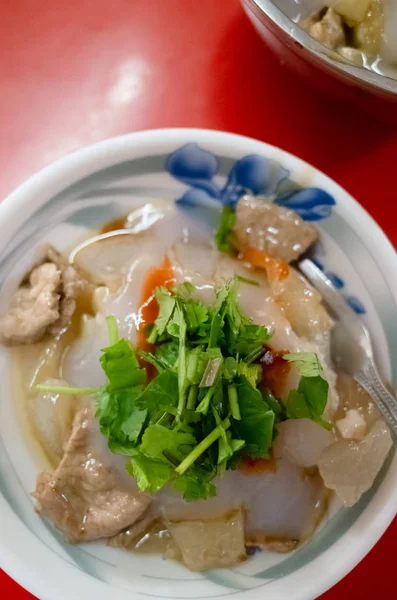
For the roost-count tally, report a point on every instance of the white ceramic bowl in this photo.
(94, 185)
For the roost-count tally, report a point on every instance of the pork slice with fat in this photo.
(85, 498)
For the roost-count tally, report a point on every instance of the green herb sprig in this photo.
(205, 408)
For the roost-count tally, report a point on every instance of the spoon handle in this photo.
(386, 402)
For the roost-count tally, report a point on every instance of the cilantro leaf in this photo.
(158, 439)
(225, 228)
(121, 365)
(257, 420)
(177, 320)
(167, 353)
(308, 363)
(234, 314)
(184, 291)
(218, 322)
(195, 312)
(122, 448)
(274, 404)
(166, 304)
(161, 391)
(250, 338)
(195, 485)
(230, 367)
(120, 418)
(233, 367)
(151, 475)
(227, 447)
(132, 425)
(107, 409)
(310, 399)
(241, 336)
(253, 373)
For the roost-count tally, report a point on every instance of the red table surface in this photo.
(74, 72)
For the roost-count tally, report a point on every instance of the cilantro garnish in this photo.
(310, 398)
(225, 228)
(205, 408)
(121, 365)
(151, 475)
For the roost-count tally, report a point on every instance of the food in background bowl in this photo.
(278, 23)
(183, 390)
(362, 31)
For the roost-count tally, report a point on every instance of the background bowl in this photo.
(304, 54)
(81, 192)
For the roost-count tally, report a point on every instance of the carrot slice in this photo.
(274, 267)
(163, 275)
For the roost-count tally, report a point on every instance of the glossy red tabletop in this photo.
(73, 72)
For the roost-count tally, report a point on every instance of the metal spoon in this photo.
(351, 346)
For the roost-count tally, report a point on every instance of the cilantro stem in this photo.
(181, 362)
(170, 458)
(205, 402)
(192, 363)
(192, 397)
(233, 402)
(64, 389)
(151, 359)
(113, 330)
(246, 280)
(152, 334)
(202, 447)
(253, 355)
(225, 228)
(216, 327)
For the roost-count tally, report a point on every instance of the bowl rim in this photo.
(376, 517)
(360, 74)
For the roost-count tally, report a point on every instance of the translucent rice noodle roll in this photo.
(81, 366)
(52, 417)
(302, 441)
(349, 467)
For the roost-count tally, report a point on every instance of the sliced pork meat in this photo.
(274, 229)
(44, 303)
(72, 283)
(85, 498)
(34, 307)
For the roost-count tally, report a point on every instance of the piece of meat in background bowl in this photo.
(323, 68)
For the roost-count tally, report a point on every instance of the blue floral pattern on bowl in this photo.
(197, 168)
(352, 301)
